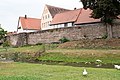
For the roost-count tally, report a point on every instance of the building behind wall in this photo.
(73, 18)
(27, 24)
(48, 14)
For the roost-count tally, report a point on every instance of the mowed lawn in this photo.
(27, 71)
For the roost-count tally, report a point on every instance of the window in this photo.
(65, 25)
(48, 16)
(72, 23)
(44, 24)
(45, 16)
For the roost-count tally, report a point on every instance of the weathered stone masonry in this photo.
(89, 31)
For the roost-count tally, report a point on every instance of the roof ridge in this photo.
(56, 7)
(30, 18)
(67, 11)
(55, 10)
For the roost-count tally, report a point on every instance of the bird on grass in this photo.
(98, 60)
(117, 67)
(85, 72)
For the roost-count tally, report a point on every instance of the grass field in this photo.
(70, 55)
(26, 71)
(82, 55)
(22, 49)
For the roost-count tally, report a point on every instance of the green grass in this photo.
(82, 55)
(31, 49)
(26, 49)
(25, 71)
(70, 55)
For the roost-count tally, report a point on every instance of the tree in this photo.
(3, 39)
(106, 10)
(2, 34)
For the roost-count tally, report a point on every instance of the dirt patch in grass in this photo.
(96, 43)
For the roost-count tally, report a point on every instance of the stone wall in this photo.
(88, 31)
(116, 31)
(71, 33)
(18, 39)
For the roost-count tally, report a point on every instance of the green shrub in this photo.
(64, 39)
(39, 44)
(6, 44)
(105, 36)
(22, 57)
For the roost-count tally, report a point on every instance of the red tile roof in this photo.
(84, 17)
(30, 23)
(78, 16)
(55, 10)
(69, 16)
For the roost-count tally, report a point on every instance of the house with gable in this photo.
(73, 18)
(48, 14)
(55, 17)
(27, 24)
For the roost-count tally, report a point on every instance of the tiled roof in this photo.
(69, 16)
(84, 17)
(30, 23)
(79, 16)
(55, 10)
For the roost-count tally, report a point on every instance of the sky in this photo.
(11, 10)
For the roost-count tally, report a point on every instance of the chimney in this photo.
(25, 16)
(75, 8)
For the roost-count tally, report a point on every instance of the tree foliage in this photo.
(106, 10)
(2, 33)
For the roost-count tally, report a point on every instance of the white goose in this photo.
(85, 72)
(117, 67)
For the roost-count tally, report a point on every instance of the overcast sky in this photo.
(10, 10)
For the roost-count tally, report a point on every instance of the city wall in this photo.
(87, 31)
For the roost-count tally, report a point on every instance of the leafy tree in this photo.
(3, 39)
(2, 34)
(106, 10)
